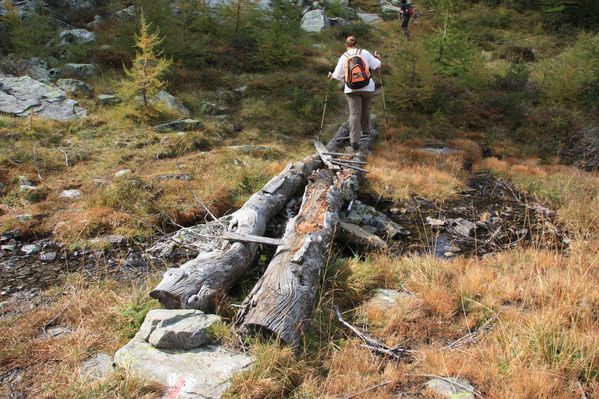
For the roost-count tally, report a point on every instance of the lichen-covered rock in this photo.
(20, 96)
(374, 221)
(177, 329)
(96, 367)
(78, 70)
(168, 100)
(24, 8)
(108, 99)
(71, 194)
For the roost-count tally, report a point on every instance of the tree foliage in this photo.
(144, 78)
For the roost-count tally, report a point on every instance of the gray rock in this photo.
(170, 101)
(8, 247)
(97, 21)
(387, 298)
(108, 99)
(440, 150)
(20, 96)
(74, 6)
(463, 226)
(76, 36)
(435, 223)
(56, 331)
(197, 373)
(390, 8)
(343, 3)
(316, 5)
(48, 257)
(369, 18)
(30, 249)
(180, 125)
(174, 177)
(71, 194)
(96, 367)
(373, 221)
(177, 329)
(126, 14)
(209, 108)
(24, 8)
(315, 21)
(338, 21)
(114, 240)
(353, 234)
(451, 388)
(37, 69)
(122, 172)
(78, 70)
(74, 86)
(24, 217)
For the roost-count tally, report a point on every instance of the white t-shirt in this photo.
(371, 61)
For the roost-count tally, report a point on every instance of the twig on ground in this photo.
(66, 156)
(372, 344)
(472, 336)
(370, 388)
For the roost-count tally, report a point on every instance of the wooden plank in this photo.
(325, 158)
(344, 165)
(230, 236)
(350, 161)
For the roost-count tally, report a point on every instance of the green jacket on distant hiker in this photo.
(355, 69)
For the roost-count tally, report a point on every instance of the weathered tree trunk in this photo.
(196, 283)
(282, 300)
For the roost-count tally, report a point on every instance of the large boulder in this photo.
(170, 349)
(315, 21)
(20, 96)
(76, 36)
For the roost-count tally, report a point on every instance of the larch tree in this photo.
(145, 75)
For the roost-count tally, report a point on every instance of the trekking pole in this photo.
(324, 109)
(384, 102)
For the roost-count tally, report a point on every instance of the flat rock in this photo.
(114, 240)
(356, 235)
(96, 367)
(315, 21)
(390, 8)
(56, 331)
(21, 96)
(463, 226)
(30, 249)
(177, 329)
(74, 86)
(180, 125)
(122, 172)
(195, 373)
(108, 99)
(451, 388)
(71, 194)
(369, 18)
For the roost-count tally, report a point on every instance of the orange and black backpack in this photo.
(357, 74)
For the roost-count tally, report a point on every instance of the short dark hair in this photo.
(351, 41)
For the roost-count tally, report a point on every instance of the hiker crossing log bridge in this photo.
(282, 299)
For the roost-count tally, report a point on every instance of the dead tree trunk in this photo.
(282, 300)
(196, 283)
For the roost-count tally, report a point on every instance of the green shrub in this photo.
(335, 9)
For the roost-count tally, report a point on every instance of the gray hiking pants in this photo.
(359, 113)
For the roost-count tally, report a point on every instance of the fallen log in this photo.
(196, 283)
(282, 301)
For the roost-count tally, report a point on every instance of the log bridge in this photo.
(282, 300)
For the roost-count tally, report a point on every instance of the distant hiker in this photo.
(354, 68)
(406, 10)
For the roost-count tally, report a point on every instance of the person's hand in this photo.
(377, 54)
(330, 75)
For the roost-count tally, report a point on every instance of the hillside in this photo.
(482, 193)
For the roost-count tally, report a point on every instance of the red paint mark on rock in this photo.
(176, 389)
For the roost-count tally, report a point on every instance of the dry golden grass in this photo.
(400, 171)
(102, 316)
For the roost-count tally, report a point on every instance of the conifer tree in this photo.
(145, 75)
